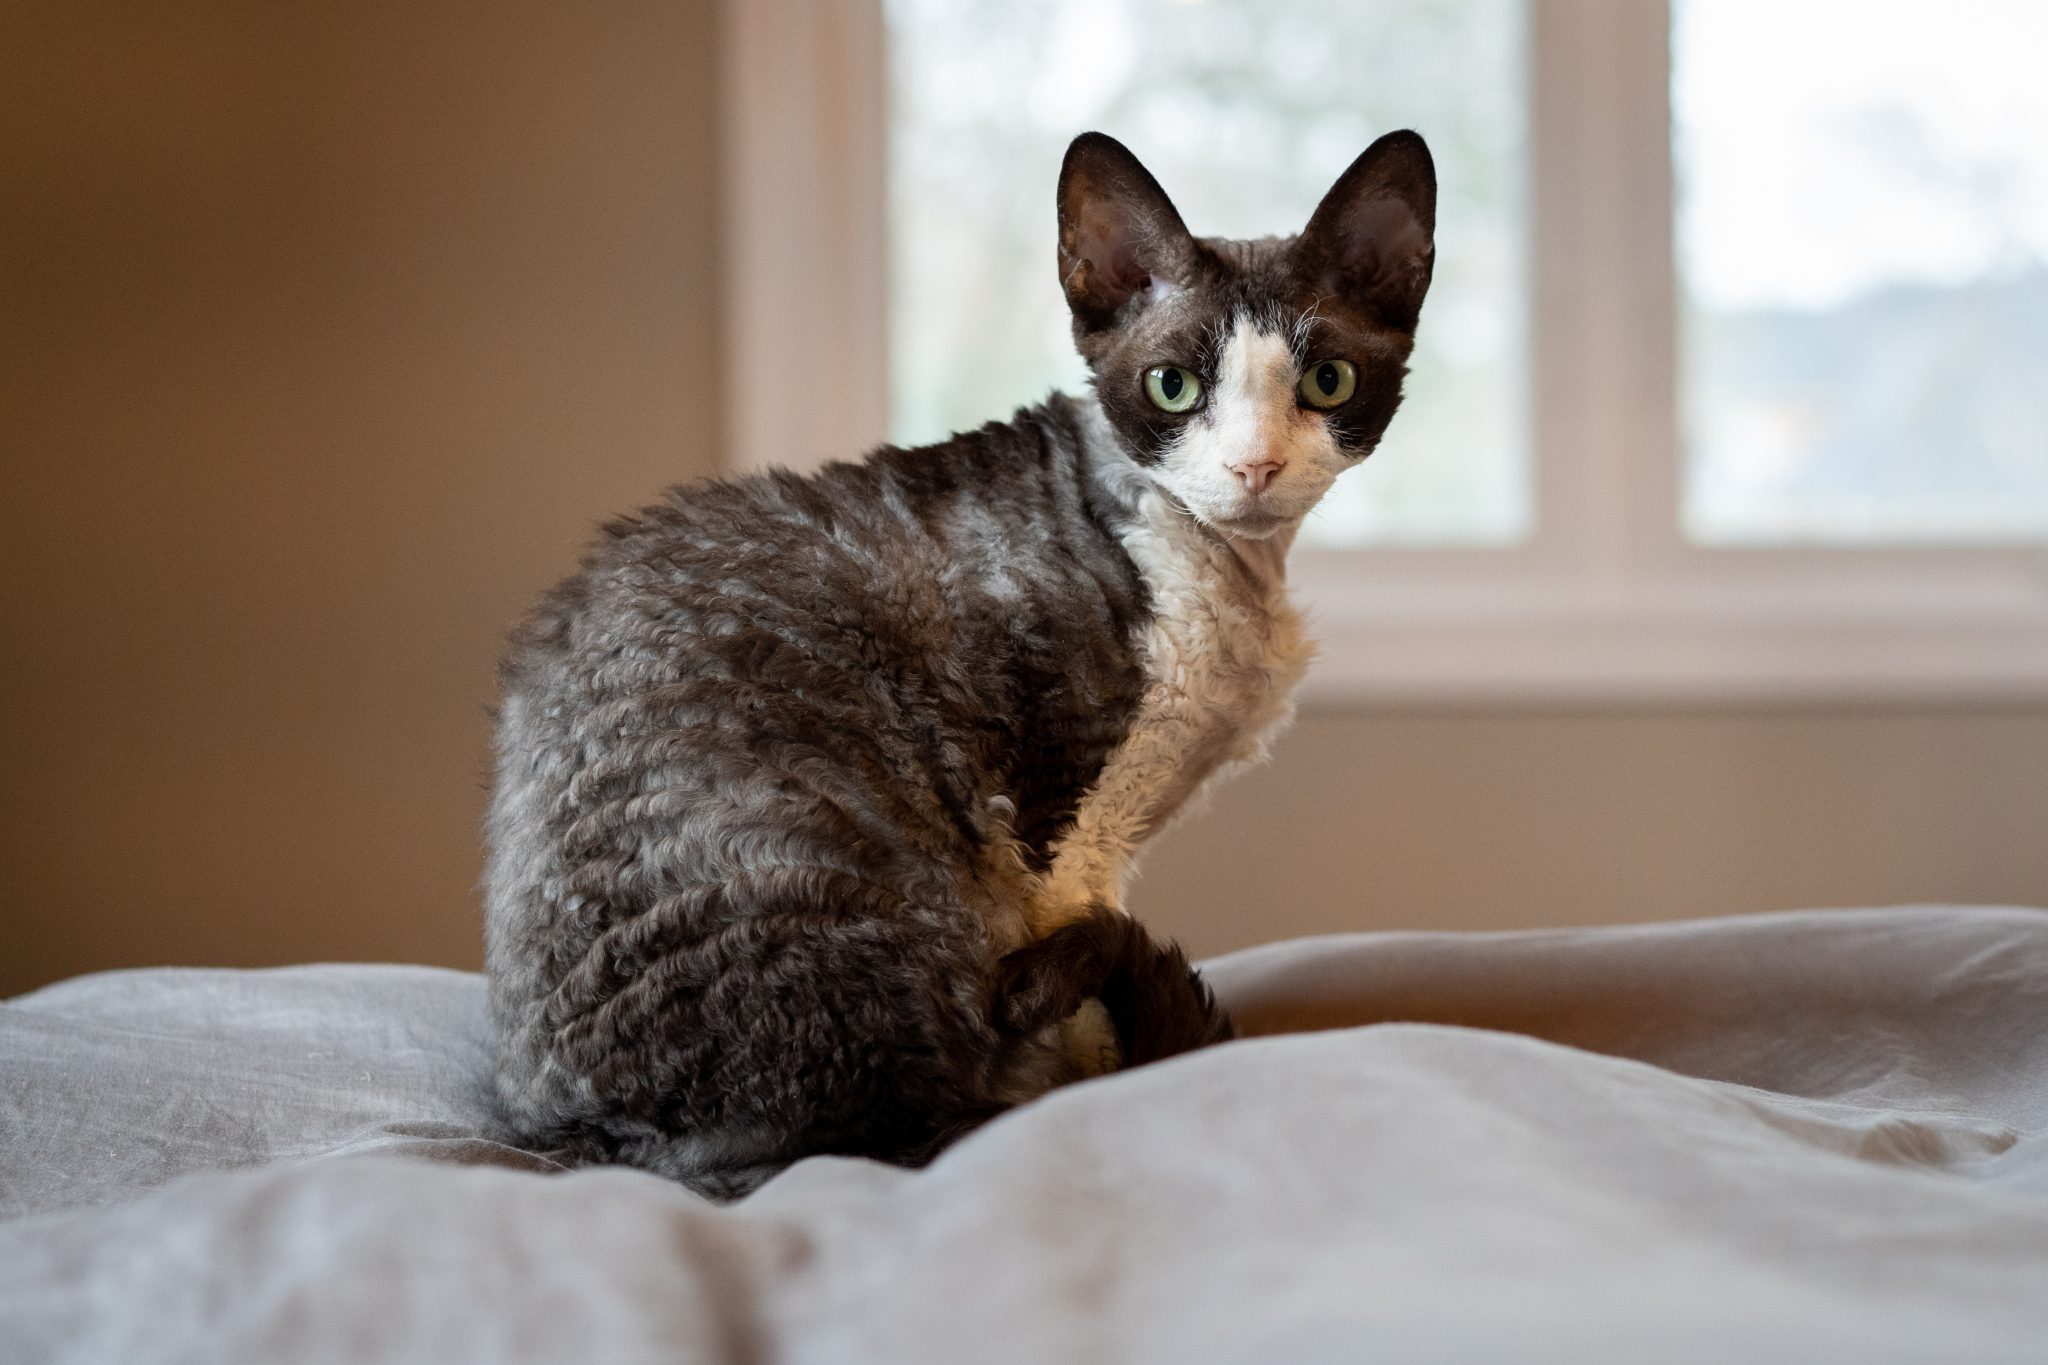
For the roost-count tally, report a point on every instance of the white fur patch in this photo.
(1222, 656)
(1252, 415)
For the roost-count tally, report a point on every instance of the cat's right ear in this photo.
(1374, 235)
(1120, 236)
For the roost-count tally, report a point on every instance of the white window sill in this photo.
(1394, 628)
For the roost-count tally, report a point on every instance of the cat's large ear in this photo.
(1373, 236)
(1119, 233)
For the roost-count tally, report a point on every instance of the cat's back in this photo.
(793, 696)
(899, 547)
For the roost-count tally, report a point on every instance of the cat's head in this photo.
(1246, 376)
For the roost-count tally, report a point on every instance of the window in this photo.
(1726, 388)
(1863, 236)
(1229, 105)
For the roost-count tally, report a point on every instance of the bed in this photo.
(1806, 1137)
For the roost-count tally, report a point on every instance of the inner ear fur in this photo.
(1118, 231)
(1372, 238)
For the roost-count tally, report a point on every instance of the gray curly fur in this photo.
(765, 770)
(780, 768)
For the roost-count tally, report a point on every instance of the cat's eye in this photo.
(1172, 389)
(1327, 383)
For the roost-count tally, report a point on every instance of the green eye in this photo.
(1327, 383)
(1172, 389)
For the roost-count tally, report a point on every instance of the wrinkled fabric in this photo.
(1810, 1137)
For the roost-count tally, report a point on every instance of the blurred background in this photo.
(330, 333)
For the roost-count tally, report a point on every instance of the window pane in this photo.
(1246, 112)
(1863, 249)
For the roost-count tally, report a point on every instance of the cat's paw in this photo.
(1088, 1038)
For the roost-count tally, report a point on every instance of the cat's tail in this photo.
(1157, 1002)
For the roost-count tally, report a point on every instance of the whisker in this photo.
(1303, 325)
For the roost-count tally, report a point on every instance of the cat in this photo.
(816, 796)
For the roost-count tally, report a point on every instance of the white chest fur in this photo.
(1222, 657)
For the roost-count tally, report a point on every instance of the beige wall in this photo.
(1514, 820)
(329, 331)
(328, 335)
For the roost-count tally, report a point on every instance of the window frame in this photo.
(1606, 601)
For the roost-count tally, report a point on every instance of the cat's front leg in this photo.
(1183, 738)
(1093, 859)
(1176, 744)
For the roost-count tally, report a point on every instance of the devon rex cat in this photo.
(816, 795)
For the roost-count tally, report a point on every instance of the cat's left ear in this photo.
(1373, 238)
(1120, 236)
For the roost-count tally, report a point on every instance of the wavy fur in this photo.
(816, 796)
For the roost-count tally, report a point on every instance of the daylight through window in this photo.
(1247, 113)
(1863, 256)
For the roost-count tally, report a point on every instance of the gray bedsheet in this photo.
(1812, 1137)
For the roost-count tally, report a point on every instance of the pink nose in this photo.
(1258, 473)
